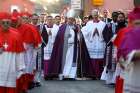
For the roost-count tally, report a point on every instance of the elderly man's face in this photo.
(95, 14)
(5, 24)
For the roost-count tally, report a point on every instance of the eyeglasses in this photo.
(5, 22)
(25, 18)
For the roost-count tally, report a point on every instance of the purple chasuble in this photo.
(55, 64)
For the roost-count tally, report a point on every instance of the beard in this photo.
(121, 24)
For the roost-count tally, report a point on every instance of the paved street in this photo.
(73, 87)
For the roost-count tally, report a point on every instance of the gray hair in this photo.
(95, 12)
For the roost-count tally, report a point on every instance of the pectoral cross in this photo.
(5, 45)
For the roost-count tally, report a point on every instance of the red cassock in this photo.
(7, 90)
(30, 35)
(13, 39)
(36, 34)
(133, 15)
(14, 45)
(119, 85)
(121, 35)
(37, 41)
(26, 34)
(28, 38)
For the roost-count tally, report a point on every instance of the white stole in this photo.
(51, 40)
(70, 70)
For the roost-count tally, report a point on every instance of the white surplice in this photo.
(70, 69)
(51, 39)
(12, 66)
(30, 58)
(95, 44)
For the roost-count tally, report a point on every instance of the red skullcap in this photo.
(4, 15)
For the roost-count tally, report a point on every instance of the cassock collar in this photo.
(49, 26)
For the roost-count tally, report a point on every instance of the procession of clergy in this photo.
(98, 48)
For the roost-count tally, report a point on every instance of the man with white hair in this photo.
(95, 37)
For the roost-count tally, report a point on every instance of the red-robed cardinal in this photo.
(11, 55)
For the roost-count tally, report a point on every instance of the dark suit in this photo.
(107, 20)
